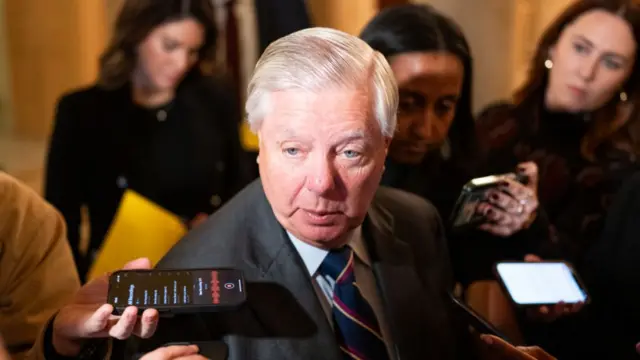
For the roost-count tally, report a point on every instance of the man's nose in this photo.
(322, 177)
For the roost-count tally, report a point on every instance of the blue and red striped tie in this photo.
(354, 321)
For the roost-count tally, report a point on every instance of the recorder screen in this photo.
(157, 288)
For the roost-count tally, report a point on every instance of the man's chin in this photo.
(329, 237)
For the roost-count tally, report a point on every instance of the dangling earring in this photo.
(623, 96)
(548, 64)
(445, 149)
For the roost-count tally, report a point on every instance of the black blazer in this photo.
(102, 144)
(283, 318)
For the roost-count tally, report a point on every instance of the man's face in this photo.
(321, 158)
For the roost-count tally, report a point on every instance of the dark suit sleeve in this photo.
(64, 169)
(424, 230)
(465, 346)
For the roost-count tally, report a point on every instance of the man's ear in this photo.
(259, 135)
(387, 142)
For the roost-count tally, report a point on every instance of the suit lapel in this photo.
(403, 293)
(279, 263)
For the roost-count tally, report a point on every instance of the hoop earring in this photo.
(623, 96)
(548, 64)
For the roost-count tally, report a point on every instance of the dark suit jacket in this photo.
(283, 318)
(101, 137)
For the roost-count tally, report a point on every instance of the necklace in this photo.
(161, 115)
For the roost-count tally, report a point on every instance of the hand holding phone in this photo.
(499, 204)
(177, 291)
(468, 211)
(541, 283)
(500, 349)
(475, 320)
(174, 352)
(87, 316)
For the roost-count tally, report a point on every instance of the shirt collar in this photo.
(313, 256)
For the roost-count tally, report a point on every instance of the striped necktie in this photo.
(354, 321)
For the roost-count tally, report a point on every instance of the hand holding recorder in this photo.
(87, 317)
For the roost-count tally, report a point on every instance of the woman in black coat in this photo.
(155, 122)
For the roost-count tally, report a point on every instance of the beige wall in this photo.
(488, 26)
(52, 47)
(503, 35)
(5, 80)
(347, 15)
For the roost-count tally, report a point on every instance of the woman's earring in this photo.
(548, 64)
(623, 96)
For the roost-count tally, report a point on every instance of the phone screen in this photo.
(176, 288)
(541, 283)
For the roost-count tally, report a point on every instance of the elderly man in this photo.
(336, 267)
(324, 107)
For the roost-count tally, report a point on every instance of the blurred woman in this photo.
(434, 151)
(155, 122)
(576, 117)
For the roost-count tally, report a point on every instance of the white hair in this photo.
(318, 58)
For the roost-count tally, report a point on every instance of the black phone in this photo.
(475, 320)
(465, 212)
(541, 283)
(177, 291)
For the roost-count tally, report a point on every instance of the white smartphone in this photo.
(541, 283)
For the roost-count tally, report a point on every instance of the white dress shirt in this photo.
(313, 257)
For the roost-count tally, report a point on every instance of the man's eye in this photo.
(292, 151)
(351, 154)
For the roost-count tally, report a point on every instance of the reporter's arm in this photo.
(97, 349)
(37, 273)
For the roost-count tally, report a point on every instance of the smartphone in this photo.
(541, 283)
(465, 213)
(177, 291)
(475, 320)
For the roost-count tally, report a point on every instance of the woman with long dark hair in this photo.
(434, 151)
(577, 118)
(159, 121)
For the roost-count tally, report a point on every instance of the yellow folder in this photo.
(141, 228)
(248, 139)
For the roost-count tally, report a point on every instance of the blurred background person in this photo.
(155, 122)
(37, 273)
(576, 117)
(434, 151)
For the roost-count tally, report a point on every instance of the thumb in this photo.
(141, 263)
(532, 258)
(98, 321)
